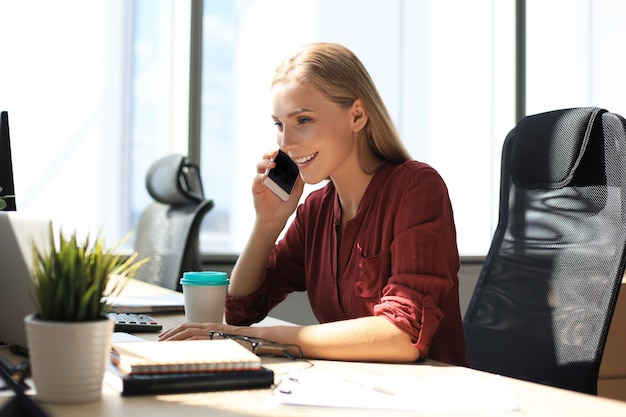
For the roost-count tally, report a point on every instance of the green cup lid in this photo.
(209, 278)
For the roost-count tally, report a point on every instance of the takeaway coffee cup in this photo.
(205, 294)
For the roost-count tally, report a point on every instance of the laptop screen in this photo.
(19, 232)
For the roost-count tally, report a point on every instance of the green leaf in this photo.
(71, 281)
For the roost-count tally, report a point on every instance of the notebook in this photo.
(18, 231)
(171, 383)
(147, 358)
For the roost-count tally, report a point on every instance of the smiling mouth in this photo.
(304, 159)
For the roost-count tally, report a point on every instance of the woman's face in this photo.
(316, 133)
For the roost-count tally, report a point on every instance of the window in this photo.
(443, 91)
(575, 60)
(96, 91)
(63, 82)
(159, 91)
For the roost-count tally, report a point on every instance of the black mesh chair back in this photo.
(169, 228)
(545, 296)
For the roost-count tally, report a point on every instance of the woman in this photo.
(375, 248)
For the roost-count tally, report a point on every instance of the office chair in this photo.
(545, 296)
(169, 228)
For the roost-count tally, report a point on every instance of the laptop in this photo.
(18, 232)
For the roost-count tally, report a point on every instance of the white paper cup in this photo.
(205, 294)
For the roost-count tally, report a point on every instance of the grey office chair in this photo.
(169, 228)
(545, 296)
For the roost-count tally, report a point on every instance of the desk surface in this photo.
(535, 399)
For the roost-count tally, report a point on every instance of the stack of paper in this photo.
(165, 303)
(445, 394)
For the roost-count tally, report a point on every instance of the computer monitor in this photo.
(7, 188)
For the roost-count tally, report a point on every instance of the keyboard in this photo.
(135, 323)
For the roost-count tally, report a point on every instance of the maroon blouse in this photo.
(398, 259)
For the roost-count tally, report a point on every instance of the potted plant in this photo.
(69, 336)
(3, 203)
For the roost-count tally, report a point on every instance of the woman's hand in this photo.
(272, 214)
(193, 331)
(270, 209)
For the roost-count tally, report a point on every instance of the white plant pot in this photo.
(68, 359)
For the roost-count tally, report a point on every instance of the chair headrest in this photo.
(174, 180)
(548, 147)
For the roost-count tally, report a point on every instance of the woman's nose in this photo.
(286, 140)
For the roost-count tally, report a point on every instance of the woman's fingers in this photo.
(188, 331)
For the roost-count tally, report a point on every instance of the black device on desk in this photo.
(7, 187)
(135, 323)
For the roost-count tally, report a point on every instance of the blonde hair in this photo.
(337, 73)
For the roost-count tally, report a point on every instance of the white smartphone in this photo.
(282, 178)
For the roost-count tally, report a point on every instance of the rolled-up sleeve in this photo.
(423, 261)
(284, 273)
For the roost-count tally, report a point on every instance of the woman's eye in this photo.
(303, 120)
(279, 125)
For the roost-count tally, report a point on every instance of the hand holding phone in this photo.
(282, 178)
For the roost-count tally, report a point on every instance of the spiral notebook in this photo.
(186, 356)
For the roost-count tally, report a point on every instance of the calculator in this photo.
(134, 323)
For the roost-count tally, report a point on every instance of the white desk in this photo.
(535, 399)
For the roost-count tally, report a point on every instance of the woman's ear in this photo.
(359, 115)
